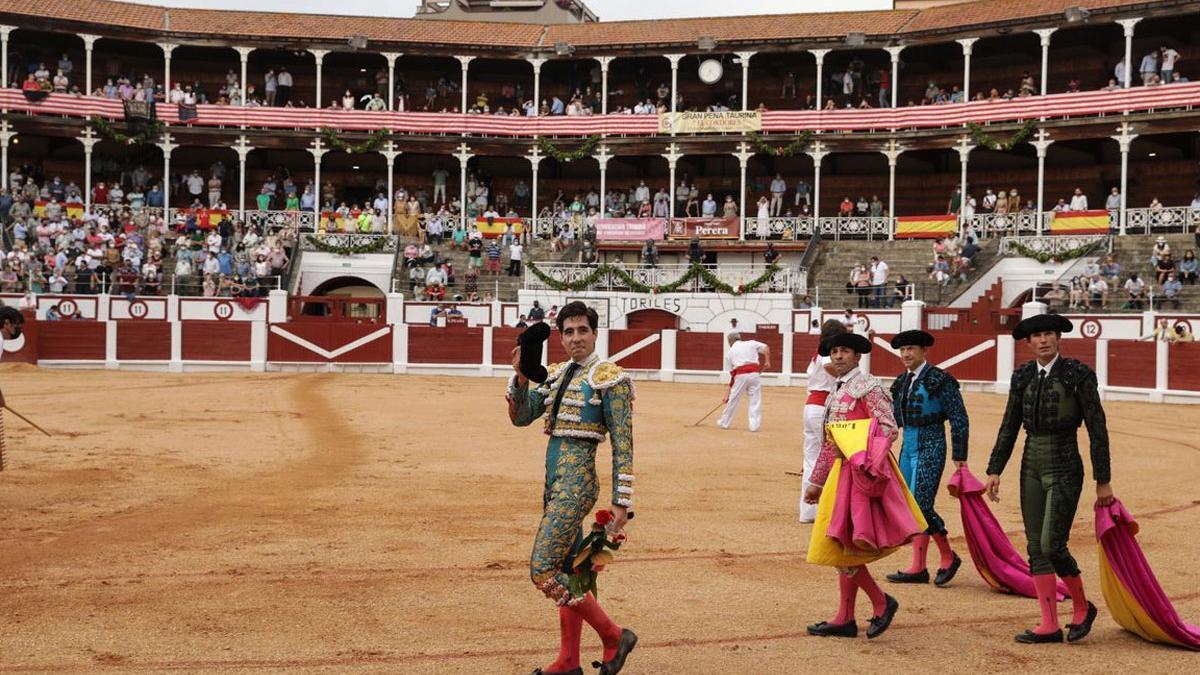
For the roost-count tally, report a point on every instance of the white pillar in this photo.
(745, 57)
(672, 156)
(536, 62)
(167, 48)
(818, 154)
(602, 156)
(964, 149)
(535, 159)
(1005, 362)
(464, 155)
(1044, 34)
(6, 136)
(319, 58)
(391, 94)
(604, 61)
(1042, 144)
(895, 52)
(465, 61)
(244, 54)
(819, 54)
(669, 352)
(242, 148)
(317, 151)
(1033, 308)
(390, 153)
(4, 31)
(967, 44)
(167, 145)
(743, 156)
(892, 151)
(674, 59)
(912, 315)
(89, 140)
(1102, 365)
(1128, 25)
(1125, 140)
(88, 42)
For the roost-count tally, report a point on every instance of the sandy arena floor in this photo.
(328, 523)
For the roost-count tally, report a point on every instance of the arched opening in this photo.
(652, 319)
(346, 297)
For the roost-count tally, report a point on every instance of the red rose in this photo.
(604, 517)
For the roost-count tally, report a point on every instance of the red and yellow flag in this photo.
(1080, 222)
(926, 227)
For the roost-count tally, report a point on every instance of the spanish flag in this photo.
(926, 227)
(74, 210)
(491, 228)
(1080, 222)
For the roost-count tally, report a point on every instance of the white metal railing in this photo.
(1054, 244)
(350, 240)
(786, 228)
(786, 280)
(1181, 219)
(1004, 224)
(855, 227)
(269, 221)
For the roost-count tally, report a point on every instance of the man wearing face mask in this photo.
(1051, 396)
(582, 400)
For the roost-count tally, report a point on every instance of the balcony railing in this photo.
(1182, 219)
(1073, 105)
(786, 280)
(349, 240)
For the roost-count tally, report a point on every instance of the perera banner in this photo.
(705, 228)
(738, 121)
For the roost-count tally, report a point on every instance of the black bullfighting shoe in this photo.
(1031, 638)
(881, 622)
(826, 629)
(616, 663)
(945, 574)
(1076, 632)
(921, 577)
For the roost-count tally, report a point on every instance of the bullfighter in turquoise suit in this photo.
(924, 398)
(582, 400)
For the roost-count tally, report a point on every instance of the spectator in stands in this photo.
(1172, 288)
(515, 252)
(587, 254)
(778, 189)
(1079, 201)
(1164, 267)
(1113, 201)
(879, 272)
(1189, 267)
(649, 254)
(1056, 296)
(1110, 269)
(846, 208)
(1168, 58)
(1149, 67)
(695, 250)
(1097, 291)
(1161, 248)
(709, 208)
(730, 207)
(1135, 291)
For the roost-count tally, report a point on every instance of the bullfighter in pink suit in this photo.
(868, 512)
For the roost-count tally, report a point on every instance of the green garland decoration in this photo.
(792, 149)
(370, 145)
(582, 151)
(149, 133)
(696, 270)
(374, 246)
(1045, 256)
(985, 140)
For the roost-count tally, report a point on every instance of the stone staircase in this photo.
(1133, 253)
(911, 258)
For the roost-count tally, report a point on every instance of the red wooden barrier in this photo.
(215, 340)
(504, 340)
(452, 344)
(1130, 363)
(646, 358)
(804, 346)
(71, 340)
(699, 351)
(143, 341)
(1183, 370)
(329, 336)
(947, 345)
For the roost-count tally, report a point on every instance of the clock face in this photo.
(711, 71)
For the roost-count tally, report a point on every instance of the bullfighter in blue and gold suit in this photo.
(585, 398)
(924, 398)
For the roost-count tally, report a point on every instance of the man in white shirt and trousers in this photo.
(820, 384)
(744, 368)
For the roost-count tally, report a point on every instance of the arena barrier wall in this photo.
(182, 334)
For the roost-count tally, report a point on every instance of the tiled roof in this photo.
(762, 27)
(502, 35)
(993, 11)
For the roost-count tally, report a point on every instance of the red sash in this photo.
(816, 398)
(742, 370)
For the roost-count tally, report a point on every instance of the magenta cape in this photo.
(998, 562)
(874, 510)
(1134, 598)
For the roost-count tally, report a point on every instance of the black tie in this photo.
(1037, 399)
(563, 383)
(909, 385)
